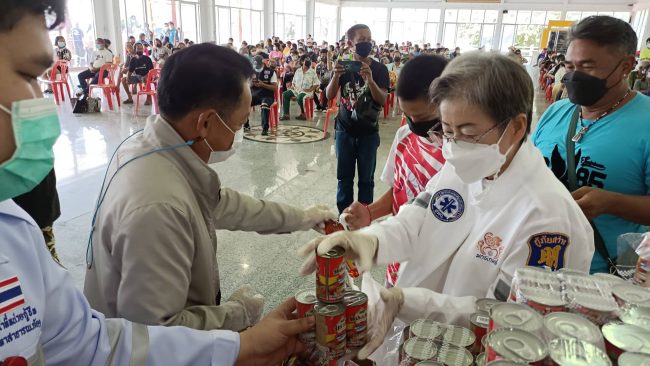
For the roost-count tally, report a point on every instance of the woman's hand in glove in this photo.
(358, 247)
(381, 318)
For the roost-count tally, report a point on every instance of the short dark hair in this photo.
(416, 77)
(607, 31)
(203, 75)
(352, 32)
(12, 11)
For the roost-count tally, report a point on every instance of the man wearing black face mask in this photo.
(363, 95)
(139, 67)
(413, 158)
(597, 141)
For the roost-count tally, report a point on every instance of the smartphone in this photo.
(351, 66)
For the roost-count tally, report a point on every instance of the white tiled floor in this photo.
(300, 174)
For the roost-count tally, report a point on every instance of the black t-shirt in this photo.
(358, 112)
(265, 76)
(42, 202)
(140, 65)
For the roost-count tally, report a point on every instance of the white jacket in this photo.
(464, 242)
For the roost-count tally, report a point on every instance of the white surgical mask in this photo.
(221, 156)
(473, 161)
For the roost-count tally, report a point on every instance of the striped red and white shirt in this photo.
(412, 162)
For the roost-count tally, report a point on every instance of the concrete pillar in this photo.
(107, 23)
(310, 6)
(338, 23)
(208, 22)
(269, 19)
(441, 27)
(496, 41)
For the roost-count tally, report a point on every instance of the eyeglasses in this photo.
(437, 136)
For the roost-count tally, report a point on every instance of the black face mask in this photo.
(584, 89)
(139, 53)
(422, 128)
(363, 48)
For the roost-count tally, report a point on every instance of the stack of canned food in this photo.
(557, 320)
(341, 313)
(428, 342)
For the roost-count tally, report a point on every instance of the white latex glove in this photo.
(252, 302)
(361, 248)
(381, 318)
(316, 216)
(357, 216)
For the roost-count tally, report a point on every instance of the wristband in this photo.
(369, 213)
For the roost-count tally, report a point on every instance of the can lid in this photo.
(542, 296)
(425, 328)
(636, 315)
(505, 363)
(420, 348)
(486, 304)
(452, 355)
(593, 301)
(306, 297)
(329, 309)
(633, 359)
(457, 336)
(511, 315)
(575, 352)
(632, 294)
(627, 337)
(568, 325)
(480, 319)
(429, 363)
(481, 359)
(355, 298)
(609, 278)
(335, 252)
(517, 345)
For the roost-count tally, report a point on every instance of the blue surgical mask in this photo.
(36, 129)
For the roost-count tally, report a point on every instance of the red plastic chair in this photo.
(309, 107)
(149, 90)
(57, 84)
(549, 93)
(332, 107)
(403, 122)
(388, 104)
(109, 82)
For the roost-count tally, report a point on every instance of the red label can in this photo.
(572, 351)
(621, 337)
(332, 226)
(515, 345)
(330, 276)
(305, 302)
(330, 330)
(356, 314)
(479, 322)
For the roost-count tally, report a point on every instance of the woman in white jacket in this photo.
(494, 206)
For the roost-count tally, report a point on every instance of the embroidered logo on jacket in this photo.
(490, 248)
(447, 205)
(547, 249)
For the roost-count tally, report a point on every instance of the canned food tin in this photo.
(621, 337)
(636, 315)
(542, 300)
(515, 345)
(641, 277)
(628, 294)
(305, 302)
(567, 325)
(575, 352)
(429, 363)
(451, 355)
(600, 309)
(416, 350)
(634, 359)
(486, 304)
(330, 276)
(509, 315)
(425, 328)
(609, 279)
(456, 336)
(478, 323)
(356, 314)
(332, 226)
(330, 330)
(480, 359)
(505, 363)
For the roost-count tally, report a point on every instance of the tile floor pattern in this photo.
(298, 174)
(287, 134)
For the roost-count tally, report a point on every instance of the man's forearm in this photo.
(382, 207)
(378, 94)
(630, 207)
(333, 87)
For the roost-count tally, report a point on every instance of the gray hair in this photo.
(496, 84)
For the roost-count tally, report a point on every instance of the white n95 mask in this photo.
(473, 161)
(221, 156)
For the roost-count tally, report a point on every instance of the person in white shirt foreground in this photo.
(492, 208)
(49, 320)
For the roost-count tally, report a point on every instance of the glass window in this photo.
(586, 14)
(507, 37)
(449, 37)
(523, 17)
(622, 15)
(451, 15)
(491, 16)
(528, 36)
(375, 18)
(325, 22)
(257, 4)
(468, 36)
(189, 26)
(407, 25)
(553, 15)
(431, 35)
(434, 15)
(464, 16)
(573, 15)
(240, 24)
(487, 36)
(290, 19)
(79, 31)
(223, 27)
(478, 16)
(510, 17)
(538, 17)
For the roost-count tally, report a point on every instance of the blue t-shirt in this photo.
(614, 155)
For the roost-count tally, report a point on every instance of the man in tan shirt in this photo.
(154, 246)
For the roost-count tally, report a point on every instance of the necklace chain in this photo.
(584, 129)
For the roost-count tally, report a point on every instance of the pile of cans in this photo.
(429, 342)
(341, 313)
(564, 318)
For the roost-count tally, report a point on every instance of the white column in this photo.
(389, 14)
(269, 19)
(441, 26)
(496, 41)
(338, 23)
(310, 6)
(107, 23)
(208, 31)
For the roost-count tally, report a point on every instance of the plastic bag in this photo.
(633, 251)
